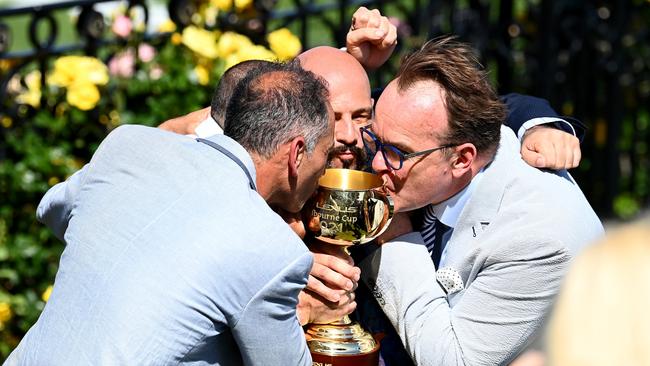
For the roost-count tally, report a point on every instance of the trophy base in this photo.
(368, 359)
(342, 343)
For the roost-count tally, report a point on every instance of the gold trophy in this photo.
(351, 210)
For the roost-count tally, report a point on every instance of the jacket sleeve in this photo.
(55, 207)
(516, 104)
(267, 331)
(491, 321)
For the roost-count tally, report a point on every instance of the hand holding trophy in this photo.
(351, 210)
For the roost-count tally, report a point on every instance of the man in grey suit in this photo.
(470, 281)
(173, 254)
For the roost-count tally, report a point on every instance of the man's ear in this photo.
(297, 150)
(462, 159)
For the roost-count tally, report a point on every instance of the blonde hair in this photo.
(602, 316)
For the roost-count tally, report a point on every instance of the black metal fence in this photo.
(590, 59)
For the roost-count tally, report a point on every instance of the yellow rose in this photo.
(63, 73)
(70, 70)
(83, 96)
(48, 291)
(5, 313)
(211, 13)
(224, 5)
(201, 41)
(6, 122)
(231, 60)
(33, 80)
(256, 53)
(202, 74)
(176, 39)
(5, 65)
(231, 42)
(167, 26)
(285, 45)
(249, 53)
(91, 70)
(243, 4)
(51, 182)
(32, 96)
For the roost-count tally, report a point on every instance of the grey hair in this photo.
(275, 103)
(227, 85)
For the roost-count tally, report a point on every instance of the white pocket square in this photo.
(450, 280)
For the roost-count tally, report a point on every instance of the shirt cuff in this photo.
(543, 120)
(207, 128)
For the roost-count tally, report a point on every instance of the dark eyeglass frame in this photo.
(380, 146)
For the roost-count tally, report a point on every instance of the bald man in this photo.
(349, 89)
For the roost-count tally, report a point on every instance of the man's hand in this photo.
(312, 308)
(185, 125)
(547, 147)
(371, 39)
(329, 293)
(332, 276)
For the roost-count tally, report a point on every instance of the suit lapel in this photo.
(483, 206)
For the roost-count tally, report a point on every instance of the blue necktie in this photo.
(435, 234)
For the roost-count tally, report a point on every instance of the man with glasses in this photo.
(393, 156)
(480, 241)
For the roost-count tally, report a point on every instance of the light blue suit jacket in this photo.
(171, 258)
(511, 247)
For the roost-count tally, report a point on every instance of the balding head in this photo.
(336, 67)
(349, 90)
(226, 87)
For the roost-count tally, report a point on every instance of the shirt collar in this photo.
(449, 211)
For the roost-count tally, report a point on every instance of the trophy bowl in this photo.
(350, 207)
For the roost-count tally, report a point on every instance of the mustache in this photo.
(359, 155)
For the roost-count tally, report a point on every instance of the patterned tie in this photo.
(434, 234)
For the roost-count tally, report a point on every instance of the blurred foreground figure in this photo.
(602, 316)
(173, 253)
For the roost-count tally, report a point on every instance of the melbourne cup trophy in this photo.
(352, 210)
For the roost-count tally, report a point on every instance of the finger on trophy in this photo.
(348, 298)
(313, 308)
(335, 271)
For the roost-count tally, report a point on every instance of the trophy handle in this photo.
(388, 213)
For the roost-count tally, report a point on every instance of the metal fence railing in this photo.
(589, 59)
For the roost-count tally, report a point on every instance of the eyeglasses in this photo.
(393, 157)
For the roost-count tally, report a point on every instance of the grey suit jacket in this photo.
(171, 258)
(511, 246)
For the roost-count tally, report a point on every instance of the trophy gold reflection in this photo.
(351, 210)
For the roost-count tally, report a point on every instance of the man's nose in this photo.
(346, 132)
(379, 163)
